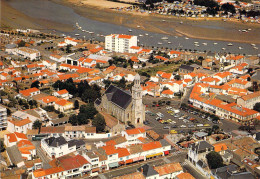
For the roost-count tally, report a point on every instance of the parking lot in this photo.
(181, 121)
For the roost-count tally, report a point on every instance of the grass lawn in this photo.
(168, 68)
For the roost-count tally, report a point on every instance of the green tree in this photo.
(49, 108)
(82, 119)
(61, 115)
(21, 43)
(88, 110)
(214, 160)
(122, 83)
(257, 107)
(2, 147)
(99, 122)
(35, 84)
(177, 77)
(76, 104)
(68, 48)
(73, 120)
(37, 124)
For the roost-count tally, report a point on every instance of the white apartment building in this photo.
(30, 53)
(120, 43)
(3, 118)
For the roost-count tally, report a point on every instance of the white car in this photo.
(183, 126)
(173, 122)
(199, 125)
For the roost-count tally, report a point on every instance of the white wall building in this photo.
(57, 147)
(120, 43)
(30, 53)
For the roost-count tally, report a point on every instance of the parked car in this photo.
(174, 126)
(199, 125)
(206, 125)
(191, 125)
(174, 132)
(183, 126)
(166, 127)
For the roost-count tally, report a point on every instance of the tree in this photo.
(49, 108)
(2, 147)
(214, 160)
(255, 86)
(21, 43)
(177, 77)
(73, 120)
(68, 48)
(35, 84)
(37, 124)
(82, 119)
(122, 83)
(61, 115)
(88, 110)
(76, 104)
(99, 122)
(257, 107)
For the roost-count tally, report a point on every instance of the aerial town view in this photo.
(130, 89)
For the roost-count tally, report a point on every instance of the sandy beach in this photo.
(11, 18)
(201, 29)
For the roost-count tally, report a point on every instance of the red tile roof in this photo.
(135, 131)
(151, 145)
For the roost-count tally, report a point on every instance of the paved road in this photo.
(176, 157)
(187, 166)
(45, 159)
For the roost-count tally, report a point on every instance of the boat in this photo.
(196, 42)
(186, 38)
(138, 26)
(223, 48)
(249, 29)
(130, 30)
(230, 44)
(97, 34)
(256, 48)
(77, 34)
(159, 43)
(164, 38)
(240, 48)
(204, 43)
(141, 35)
(253, 44)
(181, 22)
(197, 45)
(215, 43)
(176, 37)
(169, 42)
(244, 30)
(146, 34)
(163, 20)
(63, 35)
(91, 32)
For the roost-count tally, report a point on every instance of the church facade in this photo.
(123, 105)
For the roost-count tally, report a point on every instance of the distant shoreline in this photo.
(200, 29)
(151, 23)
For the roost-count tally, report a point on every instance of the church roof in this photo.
(118, 96)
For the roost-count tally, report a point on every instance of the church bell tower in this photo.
(137, 101)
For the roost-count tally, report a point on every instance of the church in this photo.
(123, 105)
